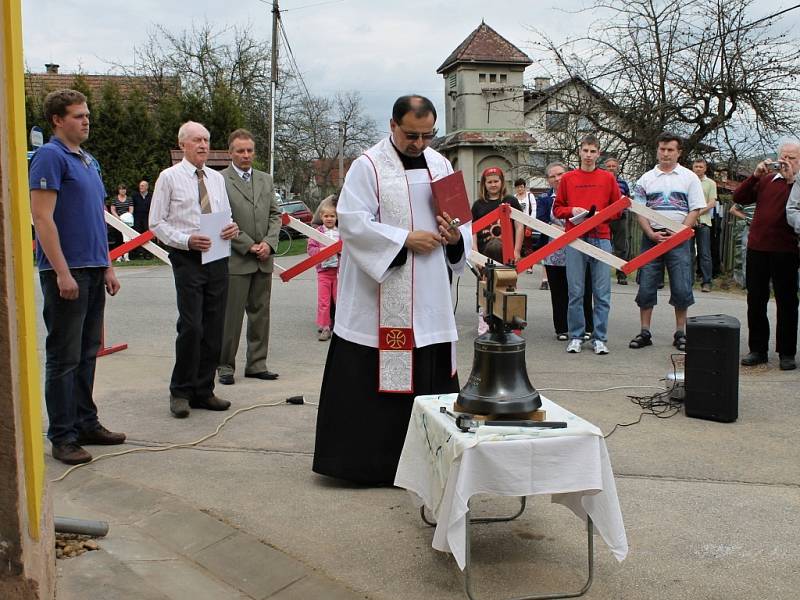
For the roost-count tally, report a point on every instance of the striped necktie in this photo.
(205, 201)
(246, 176)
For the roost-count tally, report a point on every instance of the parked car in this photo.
(298, 210)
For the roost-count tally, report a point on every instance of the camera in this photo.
(773, 166)
(495, 231)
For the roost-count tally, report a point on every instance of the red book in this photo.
(450, 196)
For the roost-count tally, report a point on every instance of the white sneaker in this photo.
(600, 347)
(574, 346)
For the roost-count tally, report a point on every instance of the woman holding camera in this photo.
(493, 193)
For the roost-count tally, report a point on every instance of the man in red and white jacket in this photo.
(579, 192)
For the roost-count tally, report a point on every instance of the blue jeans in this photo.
(74, 328)
(601, 290)
(678, 262)
(702, 236)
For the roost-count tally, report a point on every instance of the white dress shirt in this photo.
(175, 209)
(241, 173)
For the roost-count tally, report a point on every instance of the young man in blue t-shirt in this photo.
(67, 205)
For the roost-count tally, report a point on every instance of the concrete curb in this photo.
(161, 548)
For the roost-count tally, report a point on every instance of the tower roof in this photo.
(485, 45)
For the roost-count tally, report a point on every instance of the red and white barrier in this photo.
(331, 247)
(134, 239)
(506, 214)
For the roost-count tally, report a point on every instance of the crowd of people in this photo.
(393, 335)
(580, 284)
(67, 206)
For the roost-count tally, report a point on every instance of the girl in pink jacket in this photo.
(327, 270)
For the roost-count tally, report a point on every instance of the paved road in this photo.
(711, 510)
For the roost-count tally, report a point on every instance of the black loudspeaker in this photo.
(712, 368)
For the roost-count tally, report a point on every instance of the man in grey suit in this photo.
(252, 199)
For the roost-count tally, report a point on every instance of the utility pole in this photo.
(341, 153)
(272, 86)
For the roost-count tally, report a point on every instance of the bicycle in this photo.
(284, 241)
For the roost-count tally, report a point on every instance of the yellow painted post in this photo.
(30, 389)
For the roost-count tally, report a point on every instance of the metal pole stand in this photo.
(468, 556)
(522, 503)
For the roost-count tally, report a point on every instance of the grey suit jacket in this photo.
(256, 213)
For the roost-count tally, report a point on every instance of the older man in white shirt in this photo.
(182, 193)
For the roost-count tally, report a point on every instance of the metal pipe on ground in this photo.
(80, 526)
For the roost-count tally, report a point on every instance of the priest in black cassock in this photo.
(395, 333)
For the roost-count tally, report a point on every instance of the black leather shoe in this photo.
(787, 363)
(226, 379)
(754, 358)
(100, 437)
(71, 454)
(263, 375)
(210, 403)
(179, 407)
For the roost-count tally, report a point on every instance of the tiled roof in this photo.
(534, 98)
(485, 45)
(217, 159)
(326, 170)
(38, 84)
(484, 138)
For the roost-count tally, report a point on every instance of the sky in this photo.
(381, 48)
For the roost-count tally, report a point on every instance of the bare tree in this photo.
(700, 68)
(224, 74)
(307, 137)
(205, 58)
(224, 71)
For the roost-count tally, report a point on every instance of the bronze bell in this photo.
(499, 384)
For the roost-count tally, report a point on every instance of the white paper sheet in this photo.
(211, 224)
(579, 218)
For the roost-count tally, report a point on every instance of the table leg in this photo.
(522, 502)
(581, 592)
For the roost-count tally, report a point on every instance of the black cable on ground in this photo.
(660, 405)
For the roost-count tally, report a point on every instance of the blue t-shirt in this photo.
(80, 204)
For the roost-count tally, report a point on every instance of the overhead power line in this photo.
(292, 61)
(312, 5)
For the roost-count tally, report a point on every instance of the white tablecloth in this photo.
(444, 467)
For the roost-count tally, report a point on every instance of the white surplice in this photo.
(370, 247)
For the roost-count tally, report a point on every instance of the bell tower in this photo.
(484, 106)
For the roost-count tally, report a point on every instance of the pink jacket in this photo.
(314, 248)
